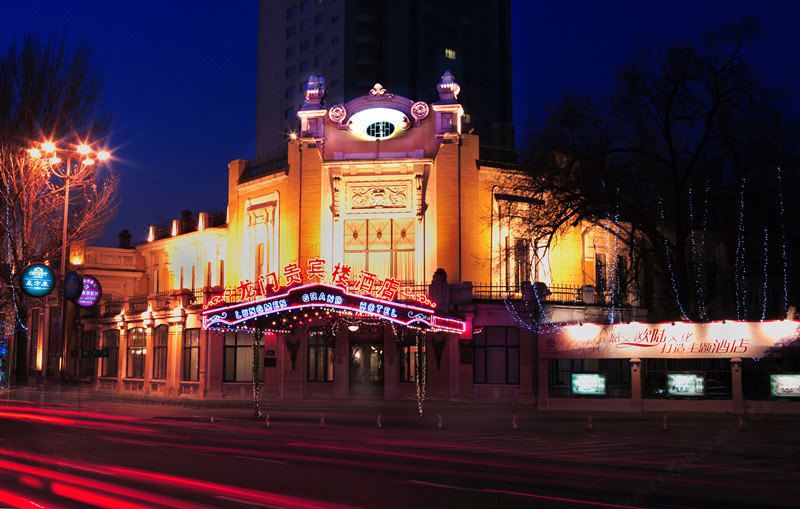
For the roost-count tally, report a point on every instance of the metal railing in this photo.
(564, 293)
(137, 304)
(113, 307)
(496, 292)
(162, 300)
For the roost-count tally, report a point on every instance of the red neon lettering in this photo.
(292, 274)
(316, 269)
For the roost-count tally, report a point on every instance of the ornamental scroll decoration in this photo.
(420, 110)
(387, 197)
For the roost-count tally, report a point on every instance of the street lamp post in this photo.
(82, 157)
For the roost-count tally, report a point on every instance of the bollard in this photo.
(664, 425)
(322, 420)
(514, 424)
(212, 419)
(590, 423)
(378, 423)
(740, 424)
(439, 422)
(267, 423)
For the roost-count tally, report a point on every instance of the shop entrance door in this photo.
(366, 363)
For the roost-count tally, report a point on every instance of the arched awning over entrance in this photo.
(322, 296)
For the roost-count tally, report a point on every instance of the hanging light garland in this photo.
(421, 372)
(257, 335)
(739, 267)
(766, 277)
(668, 256)
(784, 257)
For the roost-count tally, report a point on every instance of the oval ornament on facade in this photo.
(420, 110)
(92, 291)
(337, 113)
(37, 280)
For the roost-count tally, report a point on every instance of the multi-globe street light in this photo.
(80, 159)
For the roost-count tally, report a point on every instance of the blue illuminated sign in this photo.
(37, 280)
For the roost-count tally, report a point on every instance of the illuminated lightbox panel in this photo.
(685, 384)
(588, 384)
(785, 386)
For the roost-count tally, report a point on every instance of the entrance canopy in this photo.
(320, 296)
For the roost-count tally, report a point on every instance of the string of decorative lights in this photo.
(785, 303)
(739, 267)
(668, 257)
(696, 257)
(257, 335)
(766, 277)
(421, 373)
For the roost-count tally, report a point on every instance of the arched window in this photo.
(110, 343)
(136, 352)
(160, 339)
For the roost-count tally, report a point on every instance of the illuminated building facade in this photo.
(383, 257)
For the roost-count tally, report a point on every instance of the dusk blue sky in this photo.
(180, 76)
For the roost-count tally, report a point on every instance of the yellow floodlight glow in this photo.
(104, 155)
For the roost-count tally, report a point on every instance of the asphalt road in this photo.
(121, 455)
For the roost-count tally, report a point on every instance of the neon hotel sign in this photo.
(367, 296)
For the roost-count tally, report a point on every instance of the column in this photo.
(122, 366)
(526, 363)
(148, 358)
(453, 356)
(636, 384)
(737, 404)
(341, 354)
(542, 397)
(174, 358)
(391, 371)
(211, 363)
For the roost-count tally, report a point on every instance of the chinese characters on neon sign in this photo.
(366, 283)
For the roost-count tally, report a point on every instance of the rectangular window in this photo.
(160, 340)
(238, 357)
(318, 18)
(320, 355)
(716, 375)
(290, 51)
(289, 113)
(288, 93)
(305, 65)
(450, 53)
(289, 72)
(495, 355)
(291, 11)
(304, 45)
(191, 355)
(334, 61)
(109, 366)
(600, 274)
(291, 31)
(522, 260)
(304, 5)
(617, 373)
(319, 39)
(136, 353)
(385, 247)
(305, 25)
(317, 61)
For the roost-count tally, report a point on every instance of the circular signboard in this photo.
(37, 280)
(73, 285)
(91, 292)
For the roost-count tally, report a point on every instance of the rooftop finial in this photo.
(448, 88)
(316, 91)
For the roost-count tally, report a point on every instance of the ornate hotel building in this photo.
(390, 192)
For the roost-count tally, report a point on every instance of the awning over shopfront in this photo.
(329, 298)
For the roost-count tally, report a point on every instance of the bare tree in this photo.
(688, 139)
(47, 91)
